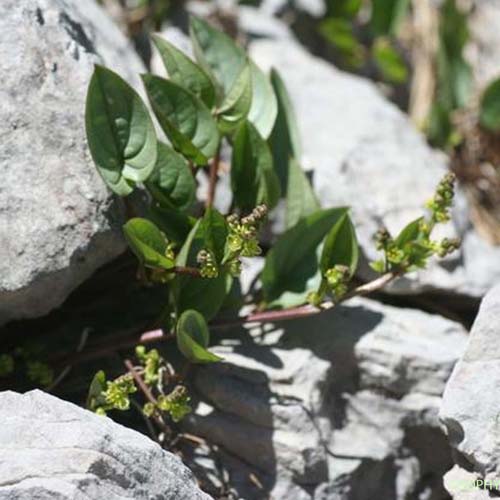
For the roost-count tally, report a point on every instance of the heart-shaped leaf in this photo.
(120, 132)
(184, 118)
(293, 262)
(148, 243)
(185, 72)
(218, 54)
(341, 246)
(300, 198)
(264, 107)
(253, 178)
(193, 338)
(285, 137)
(236, 104)
(172, 183)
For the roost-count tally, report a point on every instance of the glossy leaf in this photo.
(185, 72)
(193, 338)
(489, 113)
(236, 105)
(264, 107)
(184, 118)
(120, 132)
(341, 246)
(411, 232)
(148, 243)
(300, 198)
(171, 183)
(253, 179)
(217, 53)
(293, 260)
(285, 137)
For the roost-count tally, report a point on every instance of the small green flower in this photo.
(208, 266)
(118, 391)
(148, 409)
(176, 403)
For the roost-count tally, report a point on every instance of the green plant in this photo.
(359, 39)
(195, 252)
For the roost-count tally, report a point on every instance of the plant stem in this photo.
(212, 183)
(191, 271)
(129, 340)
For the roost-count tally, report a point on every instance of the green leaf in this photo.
(389, 62)
(341, 246)
(236, 104)
(183, 71)
(193, 338)
(293, 260)
(148, 243)
(171, 183)
(97, 386)
(489, 112)
(285, 137)
(217, 53)
(387, 16)
(186, 121)
(175, 224)
(253, 179)
(343, 8)
(340, 33)
(120, 132)
(264, 107)
(300, 198)
(410, 233)
(205, 295)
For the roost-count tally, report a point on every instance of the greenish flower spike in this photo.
(413, 246)
(151, 360)
(207, 263)
(176, 403)
(118, 391)
(338, 278)
(6, 365)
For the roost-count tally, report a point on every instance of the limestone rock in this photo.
(58, 221)
(52, 449)
(470, 407)
(342, 405)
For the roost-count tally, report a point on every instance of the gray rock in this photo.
(365, 153)
(341, 405)
(464, 485)
(58, 221)
(52, 449)
(470, 408)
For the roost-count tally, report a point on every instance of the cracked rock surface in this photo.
(58, 221)
(471, 409)
(339, 406)
(53, 450)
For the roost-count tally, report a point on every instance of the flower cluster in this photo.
(413, 247)
(151, 360)
(442, 200)
(242, 239)
(207, 263)
(338, 278)
(117, 393)
(176, 404)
